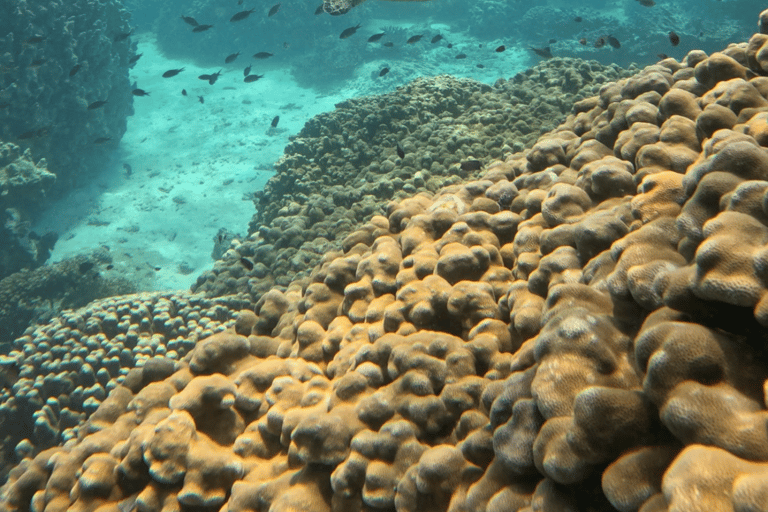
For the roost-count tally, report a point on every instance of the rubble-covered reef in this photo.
(582, 327)
(343, 167)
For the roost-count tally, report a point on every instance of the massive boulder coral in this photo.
(30, 297)
(56, 375)
(544, 337)
(343, 167)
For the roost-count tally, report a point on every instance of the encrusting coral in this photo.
(574, 330)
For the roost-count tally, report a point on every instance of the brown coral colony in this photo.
(579, 328)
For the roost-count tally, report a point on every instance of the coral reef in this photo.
(36, 296)
(57, 58)
(579, 327)
(343, 166)
(23, 188)
(57, 374)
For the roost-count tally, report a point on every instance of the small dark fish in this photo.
(213, 77)
(262, 55)
(542, 52)
(376, 37)
(577, 19)
(437, 38)
(383, 71)
(204, 77)
(552, 41)
(231, 58)
(389, 44)
(97, 104)
(85, 266)
(583, 41)
(128, 169)
(600, 42)
(613, 42)
(183, 92)
(480, 66)
(461, 56)
(500, 49)
(400, 150)
(110, 267)
(450, 45)
(319, 10)
(247, 71)
(201, 28)
(102, 140)
(241, 15)
(674, 39)
(274, 122)
(414, 39)
(247, 263)
(647, 3)
(135, 58)
(35, 40)
(123, 36)
(662, 56)
(139, 92)
(37, 62)
(273, 10)
(74, 70)
(172, 72)
(471, 165)
(201, 99)
(252, 78)
(347, 32)
(41, 132)
(189, 20)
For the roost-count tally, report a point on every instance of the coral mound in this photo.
(581, 328)
(57, 374)
(343, 166)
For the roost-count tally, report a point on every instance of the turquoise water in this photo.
(134, 137)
